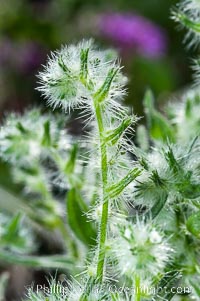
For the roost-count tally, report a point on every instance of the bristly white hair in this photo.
(75, 73)
(187, 14)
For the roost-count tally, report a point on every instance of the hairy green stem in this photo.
(137, 288)
(105, 205)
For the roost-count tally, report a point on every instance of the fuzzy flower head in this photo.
(141, 249)
(133, 32)
(78, 74)
(170, 175)
(26, 138)
(40, 151)
(188, 15)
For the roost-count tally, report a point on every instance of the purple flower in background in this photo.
(31, 56)
(133, 32)
(24, 57)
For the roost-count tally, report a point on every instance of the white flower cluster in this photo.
(27, 141)
(76, 73)
(171, 173)
(23, 138)
(141, 250)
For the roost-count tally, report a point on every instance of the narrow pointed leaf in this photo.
(160, 202)
(46, 141)
(193, 224)
(115, 189)
(84, 64)
(70, 165)
(113, 136)
(53, 261)
(77, 219)
(102, 93)
(187, 22)
(13, 227)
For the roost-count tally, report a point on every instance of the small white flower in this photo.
(140, 249)
(127, 233)
(155, 237)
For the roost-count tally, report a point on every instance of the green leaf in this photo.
(160, 202)
(115, 296)
(70, 165)
(187, 22)
(21, 128)
(113, 136)
(14, 236)
(46, 140)
(52, 261)
(184, 185)
(195, 287)
(159, 126)
(77, 219)
(12, 228)
(103, 91)
(84, 64)
(115, 189)
(193, 224)
(63, 66)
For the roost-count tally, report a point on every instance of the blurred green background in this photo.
(30, 29)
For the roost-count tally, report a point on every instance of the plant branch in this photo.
(105, 206)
